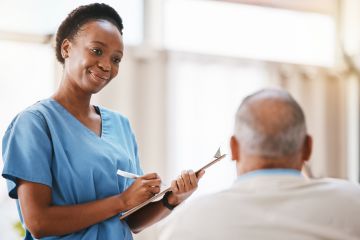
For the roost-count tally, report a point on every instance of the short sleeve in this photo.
(27, 151)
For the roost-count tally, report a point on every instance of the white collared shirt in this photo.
(271, 204)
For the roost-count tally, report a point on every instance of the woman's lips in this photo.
(99, 77)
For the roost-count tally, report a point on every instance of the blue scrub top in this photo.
(46, 144)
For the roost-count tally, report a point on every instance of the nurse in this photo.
(62, 153)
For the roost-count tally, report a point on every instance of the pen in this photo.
(127, 174)
(131, 175)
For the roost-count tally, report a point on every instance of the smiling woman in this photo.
(99, 49)
(62, 153)
(92, 49)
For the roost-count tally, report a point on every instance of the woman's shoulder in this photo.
(38, 108)
(32, 113)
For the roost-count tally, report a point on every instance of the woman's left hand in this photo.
(184, 186)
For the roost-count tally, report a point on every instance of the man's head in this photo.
(270, 132)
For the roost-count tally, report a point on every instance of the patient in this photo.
(270, 198)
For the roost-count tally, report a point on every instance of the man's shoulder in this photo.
(207, 201)
(337, 185)
(331, 188)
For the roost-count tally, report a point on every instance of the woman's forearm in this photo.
(147, 216)
(44, 219)
(61, 220)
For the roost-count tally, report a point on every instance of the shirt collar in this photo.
(267, 172)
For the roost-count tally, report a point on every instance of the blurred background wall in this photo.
(187, 66)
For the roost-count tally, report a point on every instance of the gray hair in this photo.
(270, 124)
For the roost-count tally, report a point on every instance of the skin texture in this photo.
(246, 162)
(91, 61)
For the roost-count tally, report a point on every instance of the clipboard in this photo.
(162, 193)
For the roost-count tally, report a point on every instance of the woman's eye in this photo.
(116, 60)
(96, 51)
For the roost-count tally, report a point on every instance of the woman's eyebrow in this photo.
(98, 42)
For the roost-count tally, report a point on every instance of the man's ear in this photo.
(235, 149)
(307, 148)
(65, 48)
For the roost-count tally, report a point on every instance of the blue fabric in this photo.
(270, 171)
(46, 144)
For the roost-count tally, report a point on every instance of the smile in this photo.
(99, 78)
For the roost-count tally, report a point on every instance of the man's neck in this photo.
(254, 163)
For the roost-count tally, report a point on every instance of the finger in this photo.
(193, 179)
(180, 184)
(200, 174)
(149, 191)
(154, 190)
(186, 179)
(153, 182)
(149, 194)
(150, 176)
(174, 187)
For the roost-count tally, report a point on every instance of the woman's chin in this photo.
(94, 88)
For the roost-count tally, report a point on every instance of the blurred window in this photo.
(247, 31)
(203, 95)
(44, 17)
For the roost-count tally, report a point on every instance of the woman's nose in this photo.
(104, 65)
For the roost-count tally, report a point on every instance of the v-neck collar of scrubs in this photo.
(83, 126)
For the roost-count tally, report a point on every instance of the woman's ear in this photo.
(65, 48)
(235, 149)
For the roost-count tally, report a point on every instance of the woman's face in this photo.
(92, 58)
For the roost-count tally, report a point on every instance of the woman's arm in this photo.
(181, 189)
(44, 219)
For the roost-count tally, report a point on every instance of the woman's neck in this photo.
(74, 100)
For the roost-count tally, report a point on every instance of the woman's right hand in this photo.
(141, 190)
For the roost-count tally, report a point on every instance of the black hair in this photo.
(81, 15)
